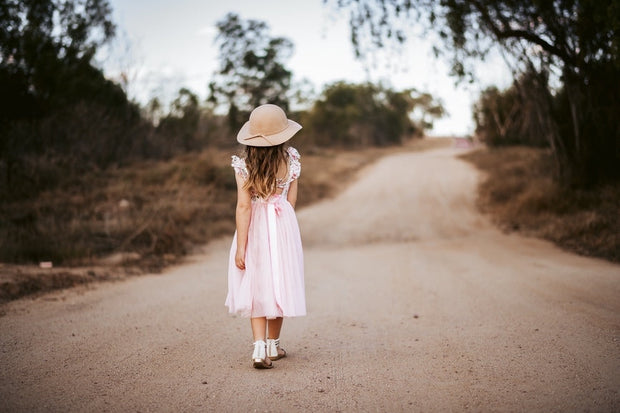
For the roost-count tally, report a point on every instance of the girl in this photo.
(265, 272)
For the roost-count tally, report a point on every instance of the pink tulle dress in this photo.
(272, 285)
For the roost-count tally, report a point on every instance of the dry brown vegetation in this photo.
(147, 215)
(147, 208)
(520, 195)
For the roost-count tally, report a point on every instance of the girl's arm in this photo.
(242, 219)
(292, 193)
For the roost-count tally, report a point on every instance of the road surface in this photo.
(415, 303)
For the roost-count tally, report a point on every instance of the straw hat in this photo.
(268, 126)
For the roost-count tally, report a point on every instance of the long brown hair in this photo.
(263, 164)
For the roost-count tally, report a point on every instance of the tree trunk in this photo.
(593, 141)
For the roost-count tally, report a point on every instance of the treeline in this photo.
(531, 113)
(61, 116)
(515, 116)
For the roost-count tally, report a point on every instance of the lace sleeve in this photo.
(294, 163)
(239, 165)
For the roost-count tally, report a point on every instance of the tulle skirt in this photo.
(272, 285)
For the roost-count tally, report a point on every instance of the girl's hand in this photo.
(240, 259)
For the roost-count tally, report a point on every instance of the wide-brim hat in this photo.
(268, 126)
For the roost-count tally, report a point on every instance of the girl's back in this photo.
(266, 275)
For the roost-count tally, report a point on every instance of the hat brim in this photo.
(244, 136)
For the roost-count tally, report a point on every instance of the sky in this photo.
(163, 45)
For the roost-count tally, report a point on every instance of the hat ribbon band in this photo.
(260, 135)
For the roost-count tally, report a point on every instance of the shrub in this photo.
(367, 115)
(515, 116)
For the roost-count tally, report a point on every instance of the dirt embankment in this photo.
(519, 193)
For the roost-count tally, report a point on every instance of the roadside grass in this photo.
(519, 194)
(144, 217)
(147, 208)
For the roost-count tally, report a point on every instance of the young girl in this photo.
(265, 272)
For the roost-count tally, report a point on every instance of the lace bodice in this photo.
(294, 169)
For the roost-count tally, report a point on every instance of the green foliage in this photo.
(45, 52)
(252, 70)
(495, 114)
(368, 115)
(55, 107)
(180, 126)
(514, 116)
(70, 141)
(570, 33)
(60, 116)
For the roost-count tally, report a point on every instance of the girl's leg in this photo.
(274, 326)
(259, 326)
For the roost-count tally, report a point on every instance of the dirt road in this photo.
(416, 303)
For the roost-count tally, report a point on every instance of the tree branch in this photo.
(506, 33)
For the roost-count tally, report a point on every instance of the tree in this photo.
(53, 101)
(515, 116)
(252, 70)
(181, 124)
(46, 47)
(368, 114)
(578, 40)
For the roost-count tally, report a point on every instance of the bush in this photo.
(366, 115)
(515, 116)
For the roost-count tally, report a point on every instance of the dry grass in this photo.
(144, 216)
(520, 195)
(154, 209)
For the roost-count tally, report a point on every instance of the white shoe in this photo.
(259, 356)
(274, 352)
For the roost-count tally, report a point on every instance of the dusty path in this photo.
(415, 304)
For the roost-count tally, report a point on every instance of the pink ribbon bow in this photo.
(276, 205)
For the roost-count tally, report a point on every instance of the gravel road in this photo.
(415, 303)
